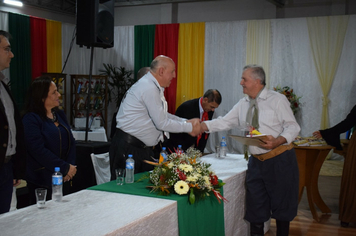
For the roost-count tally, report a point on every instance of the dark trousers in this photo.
(6, 187)
(272, 188)
(120, 149)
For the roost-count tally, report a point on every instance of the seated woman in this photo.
(49, 140)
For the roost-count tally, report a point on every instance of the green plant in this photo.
(119, 80)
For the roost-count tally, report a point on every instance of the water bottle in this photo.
(180, 150)
(164, 154)
(223, 147)
(130, 170)
(57, 185)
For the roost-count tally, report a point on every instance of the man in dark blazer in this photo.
(12, 148)
(202, 108)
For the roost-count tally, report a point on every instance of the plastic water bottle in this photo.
(130, 170)
(57, 185)
(180, 150)
(164, 154)
(223, 147)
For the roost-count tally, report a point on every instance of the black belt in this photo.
(132, 140)
(7, 159)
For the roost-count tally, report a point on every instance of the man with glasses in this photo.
(12, 151)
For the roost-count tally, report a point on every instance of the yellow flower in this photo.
(181, 187)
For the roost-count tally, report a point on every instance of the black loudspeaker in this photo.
(95, 23)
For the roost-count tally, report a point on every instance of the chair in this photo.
(101, 164)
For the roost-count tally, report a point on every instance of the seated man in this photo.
(202, 108)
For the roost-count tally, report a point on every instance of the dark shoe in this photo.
(344, 224)
(282, 228)
(256, 229)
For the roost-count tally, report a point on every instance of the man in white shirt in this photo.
(272, 177)
(143, 119)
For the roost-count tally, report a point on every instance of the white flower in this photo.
(192, 178)
(181, 187)
(185, 167)
(170, 165)
(206, 180)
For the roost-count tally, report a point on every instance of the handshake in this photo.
(198, 127)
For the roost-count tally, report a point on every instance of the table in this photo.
(310, 160)
(94, 213)
(90, 212)
(94, 135)
(232, 170)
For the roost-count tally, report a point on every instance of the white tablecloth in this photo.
(95, 213)
(232, 170)
(90, 212)
(94, 135)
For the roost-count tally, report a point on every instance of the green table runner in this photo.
(205, 217)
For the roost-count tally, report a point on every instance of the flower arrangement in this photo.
(185, 174)
(292, 98)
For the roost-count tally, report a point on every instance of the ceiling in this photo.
(68, 6)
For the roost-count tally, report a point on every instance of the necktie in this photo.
(252, 114)
(252, 119)
(203, 118)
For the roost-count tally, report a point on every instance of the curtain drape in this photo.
(144, 45)
(258, 44)
(166, 43)
(225, 56)
(20, 68)
(190, 81)
(54, 46)
(38, 46)
(326, 36)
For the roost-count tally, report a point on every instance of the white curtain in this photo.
(291, 64)
(225, 56)
(122, 54)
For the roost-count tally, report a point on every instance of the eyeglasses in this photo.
(7, 49)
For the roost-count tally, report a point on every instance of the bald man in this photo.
(143, 119)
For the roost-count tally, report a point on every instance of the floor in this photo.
(329, 225)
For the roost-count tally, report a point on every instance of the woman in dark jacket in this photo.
(49, 140)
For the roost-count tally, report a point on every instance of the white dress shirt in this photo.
(275, 118)
(142, 113)
(10, 114)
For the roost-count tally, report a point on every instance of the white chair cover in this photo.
(101, 164)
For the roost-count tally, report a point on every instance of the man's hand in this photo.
(203, 127)
(16, 182)
(196, 127)
(271, 142)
